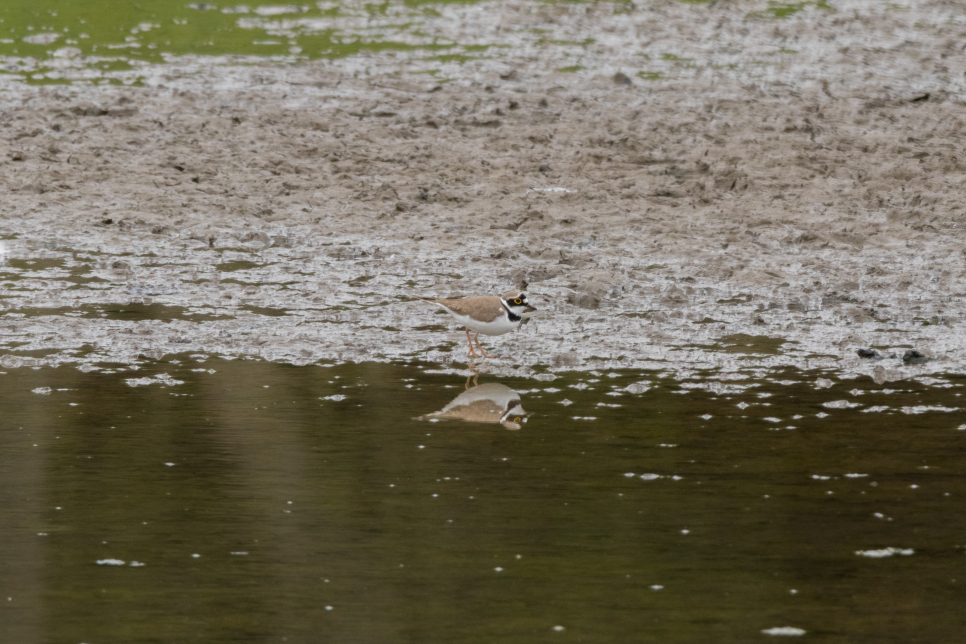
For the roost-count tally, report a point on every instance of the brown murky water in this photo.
(246, 501)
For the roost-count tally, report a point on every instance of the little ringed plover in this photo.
(489, 315)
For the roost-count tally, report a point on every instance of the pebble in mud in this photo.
(913, 357)
(622, 79)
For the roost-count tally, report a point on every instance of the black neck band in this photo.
(513, 317)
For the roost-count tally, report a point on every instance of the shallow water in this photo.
(52, 41)
(106, 42)
(273, 503)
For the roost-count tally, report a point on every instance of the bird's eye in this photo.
(518, 301)
(517, 419)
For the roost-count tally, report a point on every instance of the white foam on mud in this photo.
(788, 631)
(840, 404)
(922, 409)
(882, 553)
(110, 562)
(163, 379)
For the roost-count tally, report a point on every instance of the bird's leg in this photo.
(474, 374)
(482, 350)
(471, 352)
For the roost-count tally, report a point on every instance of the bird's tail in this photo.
(426, 298)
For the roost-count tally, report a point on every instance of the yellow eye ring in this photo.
(518, 301)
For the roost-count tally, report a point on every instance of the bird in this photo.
(489, 403)
(489, 315)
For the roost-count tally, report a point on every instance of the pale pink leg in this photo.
(471, 352)
(482, 350)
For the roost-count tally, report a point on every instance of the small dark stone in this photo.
(107, 222)
(622, 79)
(545, 168)
(868, 353)
(914, 357)
(543, 103)
(510, 76)
(514, 105)
(920, 99)
(88, 110)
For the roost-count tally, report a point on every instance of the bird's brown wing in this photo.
(484, 309)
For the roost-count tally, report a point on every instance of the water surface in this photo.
(272, 503)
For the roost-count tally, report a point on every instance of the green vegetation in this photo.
(786, 9)
(111, 37)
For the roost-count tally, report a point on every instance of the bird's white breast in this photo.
(498, 326)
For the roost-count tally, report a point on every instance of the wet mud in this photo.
(724, 189)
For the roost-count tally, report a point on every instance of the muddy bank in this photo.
(704, 218)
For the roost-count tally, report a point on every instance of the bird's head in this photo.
(515, 417)
(517, 302)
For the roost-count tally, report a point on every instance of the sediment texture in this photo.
(743, 208)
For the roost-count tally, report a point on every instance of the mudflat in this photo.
(724, 188)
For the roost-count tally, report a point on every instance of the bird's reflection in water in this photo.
(487, 403)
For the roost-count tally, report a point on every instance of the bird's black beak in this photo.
(529, 309)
